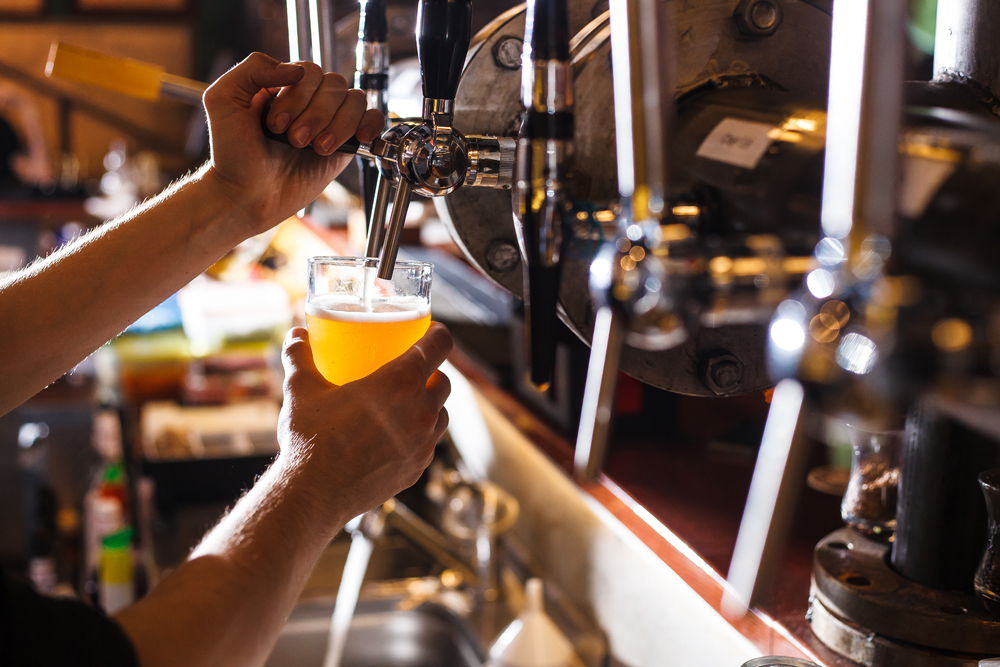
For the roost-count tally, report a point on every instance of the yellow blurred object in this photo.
(121, 75)
(292, 247)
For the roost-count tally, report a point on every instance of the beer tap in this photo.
(432, 158)
(822, 343)
(638, 296)
(428, 157)
(372, 76)
(542, 194)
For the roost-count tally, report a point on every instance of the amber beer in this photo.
(358, 323)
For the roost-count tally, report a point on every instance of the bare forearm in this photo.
(58, 311)
(227, 604)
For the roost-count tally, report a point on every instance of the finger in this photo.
(371, 126)
(442, 424)
(344, 123)
(427, 353)
(292, 101)
(322, 109)
(297, 359)
(245, 80)
(438, 389)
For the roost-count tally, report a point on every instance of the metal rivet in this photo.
(722, 372)
(503, 255)
(507, 53)
(758, 18)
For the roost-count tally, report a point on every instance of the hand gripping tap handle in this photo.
(547, 129)
(352, 146)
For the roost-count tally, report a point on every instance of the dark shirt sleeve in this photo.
(40, 630)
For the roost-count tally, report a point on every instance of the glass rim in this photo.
(362, 262)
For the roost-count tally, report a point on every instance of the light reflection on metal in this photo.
(865, 98)
(296, 27)
(838, 310)
(843, 125)
(794, 124)
(771, 498)
(641, 120)
(685, 211)
(824, 328)
(857, 354)
(788, 334)
(599, 392)
(951, 335)
(821, 283)
(830, 252)
(677, 232)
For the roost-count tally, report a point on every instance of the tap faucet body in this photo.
(372, 76)
(542, 196)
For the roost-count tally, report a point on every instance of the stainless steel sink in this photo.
(381, 634)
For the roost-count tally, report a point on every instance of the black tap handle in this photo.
(546, 29)
(444, 28)
(543, 227)
(542, 321)
(373, 26)
(350, 146)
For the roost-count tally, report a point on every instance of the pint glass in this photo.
(358, 322)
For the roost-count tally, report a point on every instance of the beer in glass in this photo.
(358, 322)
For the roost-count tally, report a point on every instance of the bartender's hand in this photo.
(369, 439)
(270, 181)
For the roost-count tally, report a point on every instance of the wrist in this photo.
(245, 210)
(314, 493)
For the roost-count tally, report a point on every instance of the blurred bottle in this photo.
(116, 582)
(106, 505)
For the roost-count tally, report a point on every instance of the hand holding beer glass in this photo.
(358, 322)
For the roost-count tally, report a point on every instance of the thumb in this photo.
(245, 80)
(297, 359)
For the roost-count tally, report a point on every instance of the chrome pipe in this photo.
(967, 43)
(390, 248)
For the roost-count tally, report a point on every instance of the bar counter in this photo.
(687, 511)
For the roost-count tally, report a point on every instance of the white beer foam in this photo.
(341, 308)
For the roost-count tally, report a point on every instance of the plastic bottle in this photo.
(532, 639)
(116, 584)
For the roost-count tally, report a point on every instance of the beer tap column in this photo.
(542, 194)
(628, 284)
(372, 76)
(432, 157)
(858, 210)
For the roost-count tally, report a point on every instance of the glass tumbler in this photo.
(987, 581)
(358, 322)
(869, 503)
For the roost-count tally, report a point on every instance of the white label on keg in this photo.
(741, 143)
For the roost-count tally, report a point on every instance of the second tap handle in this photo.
(444, 28)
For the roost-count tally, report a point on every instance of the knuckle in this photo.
(334, 80)
(356, 97)
(296, 346)
(411, 377)
(312, 70)
(211, 95)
